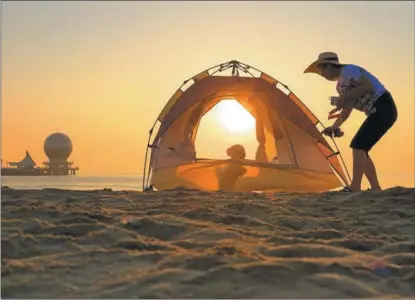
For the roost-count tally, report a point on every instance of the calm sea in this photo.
(78, 182)
(134, 182)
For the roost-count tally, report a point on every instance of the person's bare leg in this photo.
(359, 167)
(370, 173)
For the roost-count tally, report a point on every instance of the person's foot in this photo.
(354, 189)
(348, 189)
(376, 189)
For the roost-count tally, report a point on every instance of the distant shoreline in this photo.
(134, 182)
(109, 189)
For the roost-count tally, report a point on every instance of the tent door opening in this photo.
(228, 123)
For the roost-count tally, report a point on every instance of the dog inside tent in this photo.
(292, 155)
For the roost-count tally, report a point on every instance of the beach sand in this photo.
(193, 244)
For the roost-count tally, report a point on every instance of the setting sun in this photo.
(234, 116)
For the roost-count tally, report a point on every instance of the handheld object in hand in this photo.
(334, 116)
(333, 100)
(338, 132)
(333, 132)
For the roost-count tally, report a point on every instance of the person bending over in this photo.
(358, 89)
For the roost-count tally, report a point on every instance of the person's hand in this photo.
(338, 133)
(340, 103)
(328, 131)
(332, 131)
(334, 111)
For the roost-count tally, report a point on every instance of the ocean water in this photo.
(134, 182)
(78, 182)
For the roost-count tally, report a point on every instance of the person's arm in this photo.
(360, 86)
(344, 115)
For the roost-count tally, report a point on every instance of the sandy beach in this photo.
(193, 244)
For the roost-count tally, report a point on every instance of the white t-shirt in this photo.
(348, 76)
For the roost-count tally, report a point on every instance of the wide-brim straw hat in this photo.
(323, 58)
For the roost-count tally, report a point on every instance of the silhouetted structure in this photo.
(27, 162)
(25, 167)
(58, 148)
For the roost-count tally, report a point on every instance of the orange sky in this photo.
(102, 71)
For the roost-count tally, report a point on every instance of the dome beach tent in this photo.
(292, 154)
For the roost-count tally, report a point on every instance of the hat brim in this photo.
(313, 68)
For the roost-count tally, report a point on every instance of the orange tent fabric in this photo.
(292, 154)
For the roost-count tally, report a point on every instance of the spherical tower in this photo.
(58, 148)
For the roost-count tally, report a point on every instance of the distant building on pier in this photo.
(58, 148)
(25, 167)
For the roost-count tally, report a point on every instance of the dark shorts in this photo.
(376, 124)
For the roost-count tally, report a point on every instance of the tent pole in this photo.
(149, 170)
(150, 133)
(244, 68)
(338, 153)
(341, 158)
(334, 142)
(145, 162)
(318, 121)
(151, 130)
